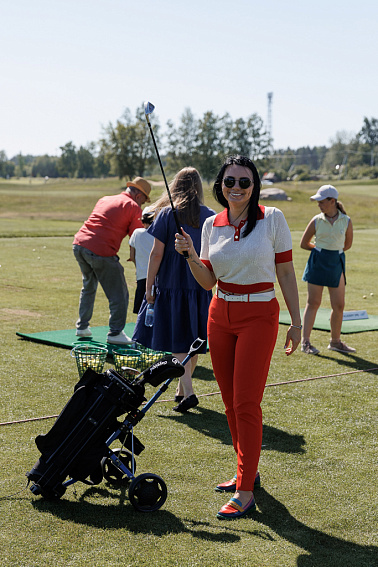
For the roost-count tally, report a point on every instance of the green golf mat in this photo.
(67, 338)
(322, 322)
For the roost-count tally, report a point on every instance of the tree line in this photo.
(125, 149)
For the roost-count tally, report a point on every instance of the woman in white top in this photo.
(333, 233)
(243, 249)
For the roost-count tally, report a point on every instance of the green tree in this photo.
(282, 163)
(188, 136)
(240, 141)
(118, 140)
(45, 166)
(209, 148)
(205, 142)
(144, 151)
(369, 135)
(129, 144)
(3, 162)
(85, 163)
(102, 165)
(260, 140)
(21, 171)
(67, 163)
(337, 154)
(173, 156)
(301, 173)
(9, 169)
(182, 142)
(245, 136)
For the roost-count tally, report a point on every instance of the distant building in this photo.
(270, 177)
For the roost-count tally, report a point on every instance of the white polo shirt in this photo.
(246, 265)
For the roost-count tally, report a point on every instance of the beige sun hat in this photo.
(142, 185)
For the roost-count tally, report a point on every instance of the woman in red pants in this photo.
(243, 250)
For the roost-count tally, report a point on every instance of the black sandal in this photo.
(187, 404)
(178, 399)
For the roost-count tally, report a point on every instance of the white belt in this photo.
(247, 297)
(320, 249)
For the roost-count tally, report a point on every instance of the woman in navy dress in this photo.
(181, 304)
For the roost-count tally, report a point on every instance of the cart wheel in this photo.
(147, 492)
(112, 473)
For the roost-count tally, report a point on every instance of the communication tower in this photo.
(269, 121)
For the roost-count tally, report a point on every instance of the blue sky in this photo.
(69, 67)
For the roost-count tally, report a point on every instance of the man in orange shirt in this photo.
(96, 246)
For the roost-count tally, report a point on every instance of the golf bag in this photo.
(78, 443)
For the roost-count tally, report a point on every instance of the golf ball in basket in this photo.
(91, 361)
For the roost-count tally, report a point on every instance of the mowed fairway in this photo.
(317, 504)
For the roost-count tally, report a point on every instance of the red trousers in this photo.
(241, 341)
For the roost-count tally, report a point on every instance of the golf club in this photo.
(148, 109)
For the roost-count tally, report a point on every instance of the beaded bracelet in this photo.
(296, 326)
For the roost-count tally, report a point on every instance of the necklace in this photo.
(233, 222)
(334, 216)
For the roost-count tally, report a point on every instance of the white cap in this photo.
(325, 192)
(147, 215)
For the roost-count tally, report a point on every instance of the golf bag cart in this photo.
(78, 444)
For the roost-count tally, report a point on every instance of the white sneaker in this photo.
(341, 347)
(84, 332)
(120, 339)
(308, 348)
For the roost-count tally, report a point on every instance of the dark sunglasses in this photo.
(244, 182)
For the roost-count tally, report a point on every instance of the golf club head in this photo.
(148, 108)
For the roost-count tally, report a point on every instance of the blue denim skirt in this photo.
(324, 267)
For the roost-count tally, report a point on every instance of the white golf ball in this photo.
(372, 294)
(364, 297)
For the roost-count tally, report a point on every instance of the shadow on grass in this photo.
(321, 549)
(351, 361)
(214, 424)
(278, 440)
(206, 421)
(203, 373)
(316, 547)
(119, 513)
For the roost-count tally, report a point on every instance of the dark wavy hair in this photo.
(254, 201)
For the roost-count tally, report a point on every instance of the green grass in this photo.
(317, 505)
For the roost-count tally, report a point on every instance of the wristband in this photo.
(296, 326)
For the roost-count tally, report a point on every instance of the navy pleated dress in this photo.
(181, 304)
